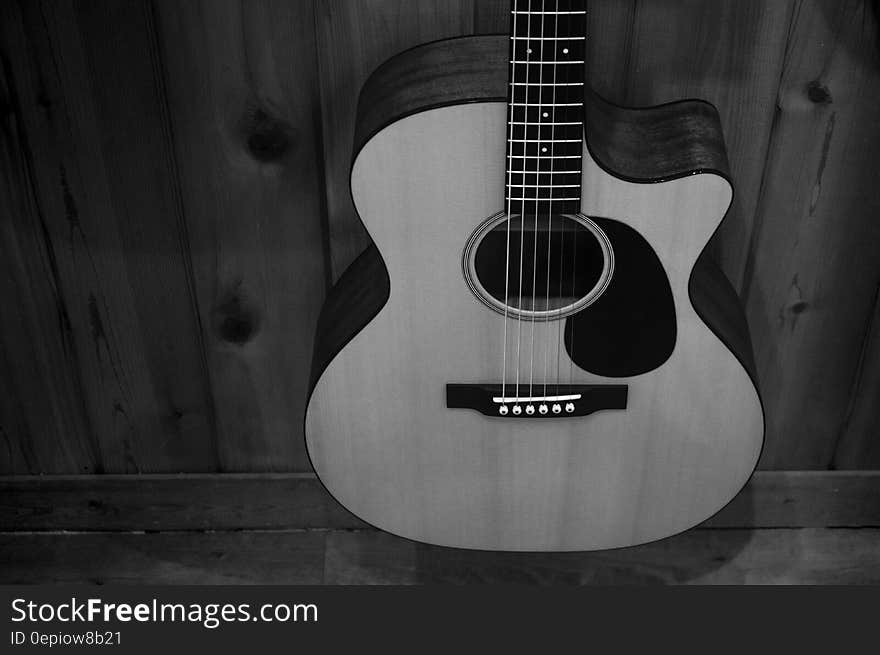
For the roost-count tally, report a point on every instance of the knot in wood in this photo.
(818, 93)
(235, 320)
(268, 138)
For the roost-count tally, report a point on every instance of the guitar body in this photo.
(402, 324)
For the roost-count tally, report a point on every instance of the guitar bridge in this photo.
(536, 401)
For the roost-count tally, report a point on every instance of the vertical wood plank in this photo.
(729, 53)
(812, 279)
(92, 111)
(859, 444)
(244, 103)
(354, 37)
(43, 422)
(610, 25)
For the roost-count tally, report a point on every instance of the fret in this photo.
(563, 166)
(539, 187)
(534, 96)
(532, 129)
(545, 140)
(542, 192)
(547, 83)
(544, 178)
(547, 104)
(535, 50)
(537, 24)
(545, 134)
(548, 38)
(545, 158)
(537, 74)
(543, 206)
(541, 174)
(529, 207)
(526, 193)
(537, 112)
(547, 199)
(521, 172)
(561, 150)
(554, 63)
(573, 185)
(544, 165)
(544, 13)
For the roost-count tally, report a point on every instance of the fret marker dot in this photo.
(529, 50)
(544, 149)
(545, 114)
(565, 51)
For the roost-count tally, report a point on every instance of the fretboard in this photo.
(545, 112)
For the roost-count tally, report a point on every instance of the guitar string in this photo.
(509, 200)
(550, 204)
(522, 213)
(560, 331)
(541, 148)
(575, 243)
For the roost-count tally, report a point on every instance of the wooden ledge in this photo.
(772, 499)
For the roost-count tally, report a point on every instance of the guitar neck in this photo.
(545, 106)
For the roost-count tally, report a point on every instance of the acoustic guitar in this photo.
(536, 354)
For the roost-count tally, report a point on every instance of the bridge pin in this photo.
(557, 408)
(530, 409)
(543, 408)
(569, 407)
(517, 410)
(503, 410)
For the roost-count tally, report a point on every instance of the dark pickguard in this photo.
(630, 329)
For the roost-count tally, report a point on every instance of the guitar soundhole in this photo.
(555, 266)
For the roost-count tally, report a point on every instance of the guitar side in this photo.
(400, 325)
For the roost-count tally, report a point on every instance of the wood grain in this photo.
(212, 539)
(814, 272)
(291, 557)
(807, 556)
(772, 499)
(143, 182)
(244, 106)
(354, 37)
(447, 72)
(730, 54)
(653, 144)
(91, 113)
(858, 446)
(227, 501)
(43, 422)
